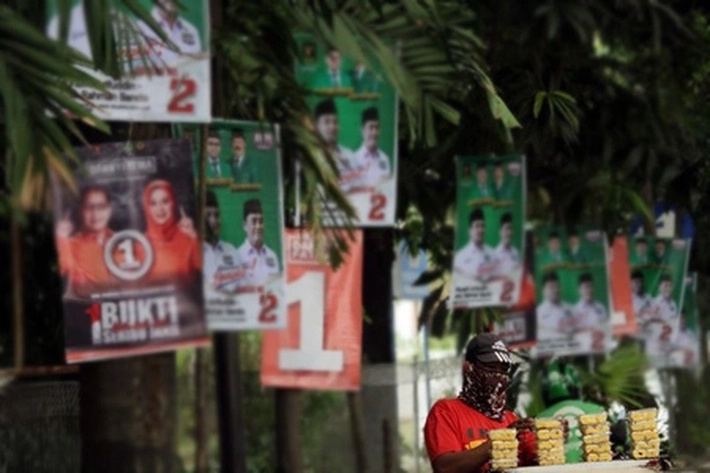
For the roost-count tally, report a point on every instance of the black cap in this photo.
(326, 107)
(585, 277)
(237, 133)
(213, 133)
(573, 233)
(370, 115)
(553, 234)
(666, 277)
(476, 214)
(252, 206)
(551, 276)
(506, 218)
(640, 240)
(637, 275)
(210, 199)
(487, 348)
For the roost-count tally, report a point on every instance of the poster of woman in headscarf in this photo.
(129, 255)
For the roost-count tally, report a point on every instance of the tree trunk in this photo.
(128, 415)
(358, 432)
(201, 431)
(289, 457)
(379, 402)
(17, 293)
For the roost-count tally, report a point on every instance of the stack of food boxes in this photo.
(644, 434)
(504, 449)
(595, 437)
(550, 442)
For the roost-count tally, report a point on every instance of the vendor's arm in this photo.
(444, 444)
(463, 462)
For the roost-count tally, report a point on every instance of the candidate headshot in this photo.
(374, 164)
(637, 283)
(260, 262)
(586, 288)
(216, 168)
(665, 288)
(476, 227)
(551, 287)
(244, 167)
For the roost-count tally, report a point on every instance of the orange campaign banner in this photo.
(321, 347)
(623, 318)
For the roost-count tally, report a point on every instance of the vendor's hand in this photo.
(527, 423)
(565, 427)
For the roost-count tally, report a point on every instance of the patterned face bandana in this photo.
(485, 391)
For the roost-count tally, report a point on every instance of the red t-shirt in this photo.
(452, 426)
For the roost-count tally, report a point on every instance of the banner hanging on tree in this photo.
(407, 269)
(129, 255)
(321, 348)
(244, 271)
(355, 112)
(518, 326)
(623, 317)
(160, 82)
(685, 346)
(489, 241)
(572, 285)
(658, 271)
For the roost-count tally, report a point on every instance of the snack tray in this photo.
(627, 466)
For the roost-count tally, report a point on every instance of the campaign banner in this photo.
(572, 285)
(407, 269)
(244, 271)
(623, 317)
(321, 348)
(355, 112)
(160, 82)
(518, 325)
(658, 271)
(129, 255)
(490, 231)
(685, 346)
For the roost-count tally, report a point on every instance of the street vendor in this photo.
(456, 429)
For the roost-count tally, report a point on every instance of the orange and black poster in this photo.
(129, 256)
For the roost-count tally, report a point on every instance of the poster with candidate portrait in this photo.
(160, 82)
(355, 112)
(572, 286)
(517, 327)
(244, 268)
(658, 270)
(490, 241)
(407, 270)
(684, 350)
(129, 255)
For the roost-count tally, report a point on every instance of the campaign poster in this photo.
(407, 270)
(321, 347)
(490, 231)
(244, 271)
(572, 286)
(623, 317)
(355, 112)
(517, 328)
(685, 350)
(129, 255)
(658, 270)
(160, 82)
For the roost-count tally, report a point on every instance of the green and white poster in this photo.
(161, 82)
(573, 291)
(658, 270)
(244, 273)
(490, 231)
(355, 112)
(685, 351)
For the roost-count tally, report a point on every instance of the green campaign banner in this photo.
(490, 231)
(572, 285)
(658, 270)
(355, 112)
(243, 260)
(161, 82)
(685, 351)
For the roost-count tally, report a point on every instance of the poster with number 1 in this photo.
(321, 348)
(160, 82)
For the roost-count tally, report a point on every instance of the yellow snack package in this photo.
(643, 425)
(595, 439)
(593, 419)
(594, 429)
(547, 423)
(504, 444)
(643, 414)
(644, 435)
(499, 465)
(504, 454)
(544, 445)
(502, 434)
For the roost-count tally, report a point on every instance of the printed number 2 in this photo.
(268, 304)
(598, 341)
(666, 332)
(309, 292)
(183, 89)
(507, 294)
(378, 202)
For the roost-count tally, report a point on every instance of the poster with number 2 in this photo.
(321, 347)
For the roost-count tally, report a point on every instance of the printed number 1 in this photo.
(309, 292)
(183, 90)
(129, 256)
